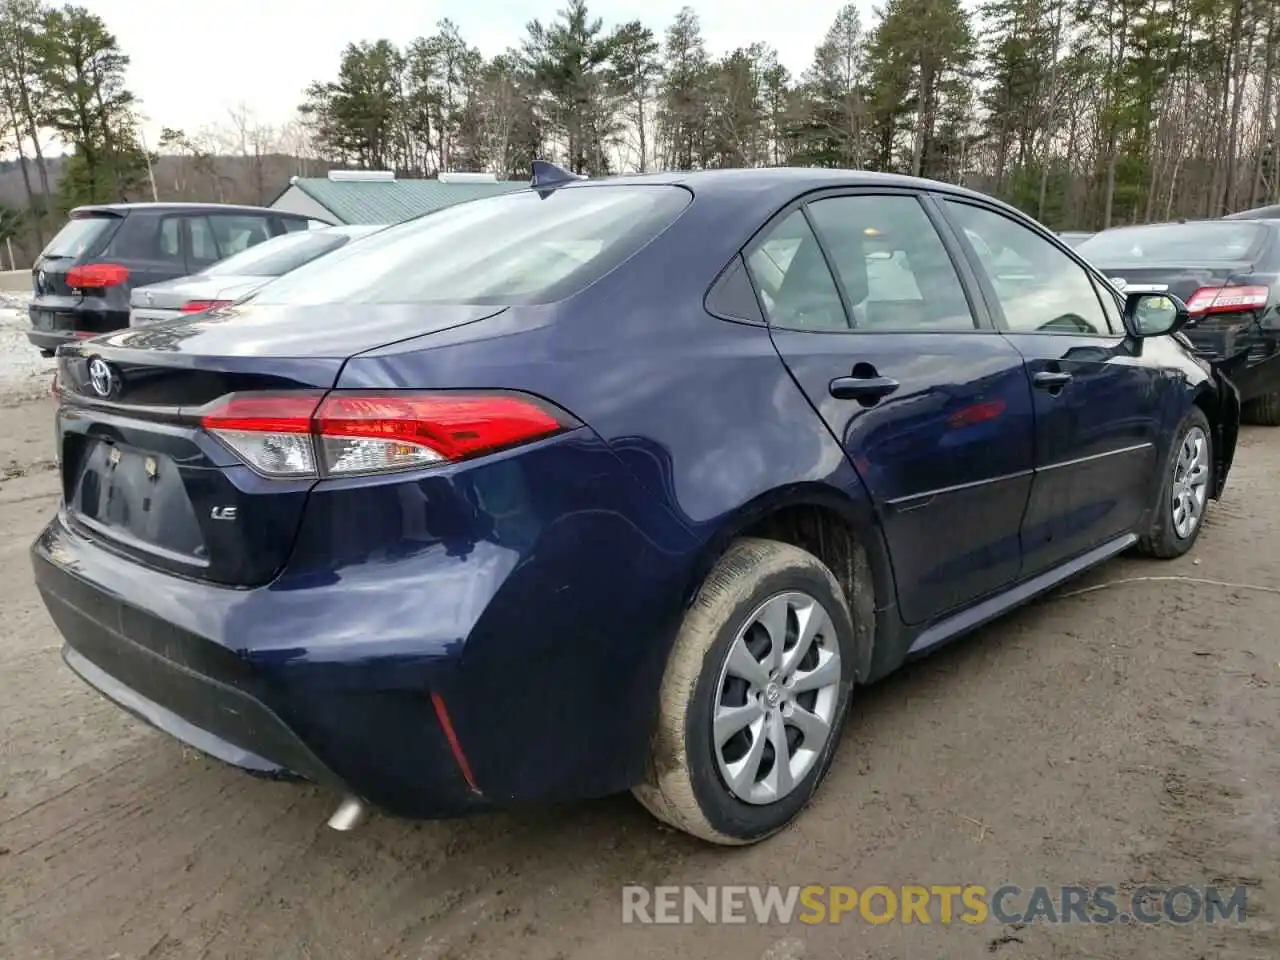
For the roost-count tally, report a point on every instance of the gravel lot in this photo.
(1123, 736)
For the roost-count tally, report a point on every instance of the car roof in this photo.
(782, 183)
(775, 187)
(790, 178)
(180, 207)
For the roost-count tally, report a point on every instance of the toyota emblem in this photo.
(101, 378)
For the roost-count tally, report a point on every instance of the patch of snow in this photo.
(22, 370)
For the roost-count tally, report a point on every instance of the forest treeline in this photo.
(1083, 113)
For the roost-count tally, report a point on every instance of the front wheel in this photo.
(1183, 497)
(753, 697)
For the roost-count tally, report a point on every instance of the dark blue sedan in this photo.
(611, 485)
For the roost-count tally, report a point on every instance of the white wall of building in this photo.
(294, 200)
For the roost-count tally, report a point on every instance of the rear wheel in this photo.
(753, 697)
(1183, 496)
(1264, 410)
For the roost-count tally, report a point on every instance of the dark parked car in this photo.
(1228, 273)
(608, 485)
(82, 279)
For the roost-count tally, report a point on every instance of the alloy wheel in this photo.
(1190, 482)
(776, 698)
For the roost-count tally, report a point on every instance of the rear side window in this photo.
(81, 236)
(791, 276)
(516, 248)
(1175, 242)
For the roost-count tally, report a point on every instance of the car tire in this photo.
(687, 784)
(1263, 411)
(1167, 536)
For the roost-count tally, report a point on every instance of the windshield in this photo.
(516, 248)
(79, 235)
(1174, 242)
(279, 255)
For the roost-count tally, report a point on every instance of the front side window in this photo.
(894, 268)
(795, 286)
(1038, 287)
(521, 247)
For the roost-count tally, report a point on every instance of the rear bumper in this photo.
(50, 340)
(1248, 354)
(1258, 379)
(525, 602)
(241, 713)
(143, 316)
(54, 324)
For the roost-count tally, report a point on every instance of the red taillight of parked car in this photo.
(1226, 300)
(199, 306)
(308, 434)
(93, 276)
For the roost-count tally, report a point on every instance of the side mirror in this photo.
(1153, 314)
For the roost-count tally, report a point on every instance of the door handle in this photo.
(866, 390)
(1051, 380)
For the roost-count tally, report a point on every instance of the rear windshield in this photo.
(277, 256)
(515, 248)
(80, 235)
(1174, 242)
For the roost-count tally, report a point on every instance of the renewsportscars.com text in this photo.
(934, 904)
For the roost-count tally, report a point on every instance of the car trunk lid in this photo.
(144, 478)
(194, 294)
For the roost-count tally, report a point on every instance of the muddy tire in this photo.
(1264, 410)
(1185, 478)
(761, 669)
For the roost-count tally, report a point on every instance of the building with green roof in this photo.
(376, 196)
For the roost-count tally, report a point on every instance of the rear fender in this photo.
(833, 521)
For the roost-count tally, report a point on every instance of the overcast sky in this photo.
(192, 60)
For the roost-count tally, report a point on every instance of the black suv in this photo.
(81, 281)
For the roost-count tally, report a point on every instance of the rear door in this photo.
(868, 311)
(1098, 399)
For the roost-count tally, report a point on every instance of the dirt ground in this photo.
(1124, 736)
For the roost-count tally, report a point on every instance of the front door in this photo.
(1097, 402)
(868, 312)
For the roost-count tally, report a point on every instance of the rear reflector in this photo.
(307, 434)
(199, 306)
(97, 275)
(1226, 300)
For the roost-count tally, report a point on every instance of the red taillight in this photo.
(96, 275)
(199, 306)
(1226, 300)
(345, 434)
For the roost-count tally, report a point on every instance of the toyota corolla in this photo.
(611, 485)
